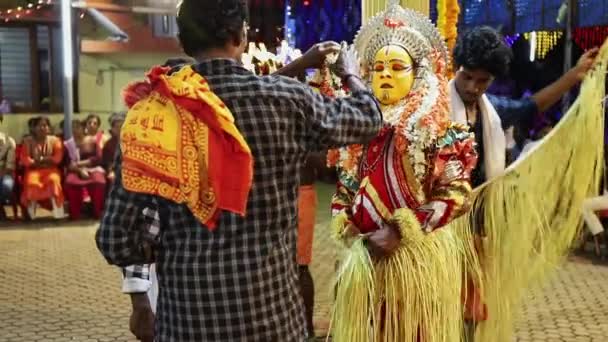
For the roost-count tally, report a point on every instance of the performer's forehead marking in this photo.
(386, 51)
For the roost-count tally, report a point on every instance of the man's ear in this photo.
(241, 40)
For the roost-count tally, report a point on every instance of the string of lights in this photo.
(511, 39)
(21, 12)
(590, 37)
(542, 42)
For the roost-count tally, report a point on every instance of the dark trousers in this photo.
(307, 289)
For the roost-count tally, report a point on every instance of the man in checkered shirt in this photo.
(240, 281)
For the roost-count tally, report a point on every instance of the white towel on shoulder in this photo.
(493, 135)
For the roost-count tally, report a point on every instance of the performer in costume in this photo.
(406, 184)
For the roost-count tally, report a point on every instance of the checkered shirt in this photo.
(238, 282)
(136, 278)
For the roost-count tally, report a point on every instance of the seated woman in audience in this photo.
(110, 147)
(7, 168)
(84, 172)
(93, 128)
(40, 156)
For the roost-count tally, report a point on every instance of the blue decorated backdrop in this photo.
(317, 20)
(533, 15)
(495, 13)
(592, 12)
(433, 10)
(526, 15)
(312, 21)
(320, 20)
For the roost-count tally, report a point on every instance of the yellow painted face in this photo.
(392, 74)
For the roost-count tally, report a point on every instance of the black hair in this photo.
(37, 120)
(177, 61)
(483, 48)
(93, 116)
(205, 24)
(176, 64)
(31, 121)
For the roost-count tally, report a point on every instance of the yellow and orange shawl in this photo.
(179, 142)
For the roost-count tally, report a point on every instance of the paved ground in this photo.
(54, 286)
(573, 307)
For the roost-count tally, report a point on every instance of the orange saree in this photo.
(42, 183)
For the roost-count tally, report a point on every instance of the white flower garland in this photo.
(421, 137)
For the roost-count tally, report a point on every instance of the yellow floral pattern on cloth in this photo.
(166, 148)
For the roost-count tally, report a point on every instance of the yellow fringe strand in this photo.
(354, 312)
(532, 214)
(339, 227)
(415, 293)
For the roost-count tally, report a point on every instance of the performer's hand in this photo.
(347, 63)
(315, 57)
(585, 63)
(351, 230)
(383, 242)
(141, 323)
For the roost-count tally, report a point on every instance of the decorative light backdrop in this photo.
(266, 21)
(533, 15)
(519, 16)
(495, 13)
(589, 37)
(24, 9)
(592, 13)
(320, 20)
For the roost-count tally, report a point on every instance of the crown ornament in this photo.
(403, 27)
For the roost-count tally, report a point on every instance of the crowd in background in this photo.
(46, 170)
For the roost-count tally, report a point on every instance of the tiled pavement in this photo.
(572, 307)
(54, 286)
